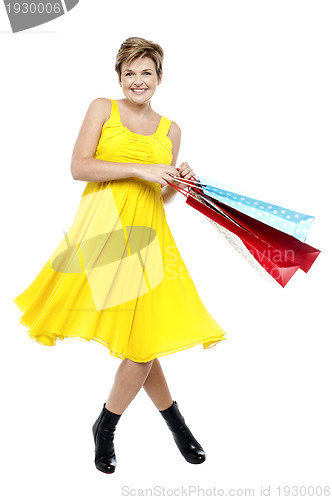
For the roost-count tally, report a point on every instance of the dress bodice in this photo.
(119, 144)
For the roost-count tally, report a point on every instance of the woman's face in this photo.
(139, 79)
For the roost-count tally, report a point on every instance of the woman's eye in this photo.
(130, 73)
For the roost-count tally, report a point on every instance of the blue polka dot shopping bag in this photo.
(294, 223)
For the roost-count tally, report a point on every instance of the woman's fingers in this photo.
(186, 171)
(188, 174)
(183, 166)
(171, 170)
(169, 177)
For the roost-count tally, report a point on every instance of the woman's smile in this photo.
(139, 91)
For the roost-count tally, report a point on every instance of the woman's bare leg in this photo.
(156, 387)
(129, 378)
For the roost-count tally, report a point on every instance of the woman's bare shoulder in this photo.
(101, 108)
(101, 102)
(174, 132)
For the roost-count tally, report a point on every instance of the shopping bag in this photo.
(280, 254)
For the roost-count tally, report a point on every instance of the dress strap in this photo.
(115, 113)
(164, 126)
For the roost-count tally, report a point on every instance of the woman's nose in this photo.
(138, 81)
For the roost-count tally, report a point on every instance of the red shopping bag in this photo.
(275, 263)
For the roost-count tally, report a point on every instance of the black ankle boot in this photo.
(187, 444)
(103, 433)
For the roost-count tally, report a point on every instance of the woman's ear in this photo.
(160, 78)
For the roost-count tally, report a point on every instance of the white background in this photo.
(249, 83)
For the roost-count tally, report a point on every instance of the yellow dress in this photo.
(117, 277)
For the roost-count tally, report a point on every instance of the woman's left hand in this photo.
(186, 171)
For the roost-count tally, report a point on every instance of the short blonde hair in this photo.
(134, 47)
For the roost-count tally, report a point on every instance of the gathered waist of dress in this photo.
(133, 183)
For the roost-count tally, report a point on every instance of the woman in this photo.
(118, 277)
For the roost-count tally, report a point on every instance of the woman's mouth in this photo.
(139, 91)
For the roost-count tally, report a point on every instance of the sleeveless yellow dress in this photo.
(117, 277)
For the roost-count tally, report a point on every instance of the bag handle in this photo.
(193, 184)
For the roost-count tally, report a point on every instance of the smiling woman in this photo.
(118, 277)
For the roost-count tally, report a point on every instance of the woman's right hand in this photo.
(158, 172)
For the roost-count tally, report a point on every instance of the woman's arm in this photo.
(168, 192)
(85, 167)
